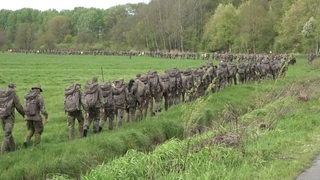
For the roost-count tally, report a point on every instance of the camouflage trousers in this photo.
(200, 91)
(8, 142)
(166, 103)
(177, 97)
(119, 111)
(171, 98)
(155, 104)
(72, 116)
(107, 114)
(34, 128)
(142, 111)
(188, 95)
(93, 116)
(131, 112)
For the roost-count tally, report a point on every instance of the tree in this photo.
(220, 30)
(3, 38)
(256, 28)
(25, 36)
(47, 40)
(59, 27)
(290, 36)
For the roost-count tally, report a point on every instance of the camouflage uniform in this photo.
(108, 106)
(232, 70)
(222, 73)
(77, 114)
(155, 90)
(201, 83)
(164, 81)
(242, 73)
(93, 113)
(144, 98)
(187, 84)
(34, 122)
(131, 101)
(178, 94)
(119, 95)
(173, 90)
(8, 121)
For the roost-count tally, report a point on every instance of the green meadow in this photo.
(275, 135)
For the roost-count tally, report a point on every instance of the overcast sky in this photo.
(63, 4)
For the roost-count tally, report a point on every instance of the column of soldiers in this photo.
(148, 94)
(145, 93)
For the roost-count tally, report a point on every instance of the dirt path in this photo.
(313, 173)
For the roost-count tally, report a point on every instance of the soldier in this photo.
(72, 105)
(93, 101)
(8, 102)
(179, 86)
(172, 86)
(108, 106)
(242, 72)
(265, 68)
(164, 81)
(120, 93)
(201, 87)
(232, 69)
(33, 106)
(197, 80)
(155, 90)
(187, 84)
(131, 101)
(143, 97)
(222, 73)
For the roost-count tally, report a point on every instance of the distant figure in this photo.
(33, 106)
(8, 102)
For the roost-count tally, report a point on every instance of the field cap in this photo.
(11, 85)
(37, 86)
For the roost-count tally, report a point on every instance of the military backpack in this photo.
(6, 103)
(30, 106)
(119, 94)
(165, 82)
(71, 99)
(107, 95)
(154, 82)
(91, 95)
(187, 79)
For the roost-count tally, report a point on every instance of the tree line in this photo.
(251, 26)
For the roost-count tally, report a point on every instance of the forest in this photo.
(240, 26)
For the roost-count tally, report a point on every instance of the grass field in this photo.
(54, 73)
(280, 151)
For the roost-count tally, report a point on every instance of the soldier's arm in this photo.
(18, 105)
(101, 99)
(81, 98)
(42, 107)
